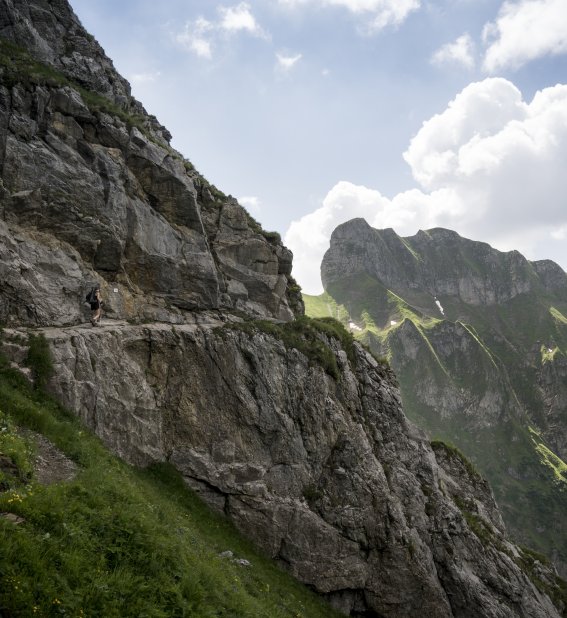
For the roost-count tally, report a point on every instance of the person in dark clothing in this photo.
(96, 306)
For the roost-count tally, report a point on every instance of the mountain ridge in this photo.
(477, 338)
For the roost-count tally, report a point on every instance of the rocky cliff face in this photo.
(299, 439)
(326, 474)
(478, 339)
(92, 191)
(438, 263)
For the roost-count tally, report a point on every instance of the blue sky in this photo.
(411, 113)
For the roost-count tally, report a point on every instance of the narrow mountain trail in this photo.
(110, 325)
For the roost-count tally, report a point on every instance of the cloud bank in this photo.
(524, 31)
(490, 166)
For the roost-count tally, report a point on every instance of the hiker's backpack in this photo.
(90, 297)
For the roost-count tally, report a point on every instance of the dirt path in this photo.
(51, 465)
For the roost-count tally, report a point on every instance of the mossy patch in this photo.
(452, 452)
(548, 354)
(549, 459)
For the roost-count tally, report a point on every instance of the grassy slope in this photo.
(324, 306)
(530, 482)
(117, 541)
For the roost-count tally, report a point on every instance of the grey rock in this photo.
(123, 200)
(226, 554)
(328, 477)
(487, 373)
(448, 266)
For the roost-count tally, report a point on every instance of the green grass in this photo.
(304, 334)
(118, 541)
(456, 454)
(16, 452)
(548, 354)
(549, 459)
(324, 306)
(39, 359)
(558, 316)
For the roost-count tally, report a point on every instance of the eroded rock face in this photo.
(552, 381)
(81, 161)
(478, 340)
(53, 33)
(439, 263)
(327, 476)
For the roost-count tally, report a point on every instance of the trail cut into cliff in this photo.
(205, 362)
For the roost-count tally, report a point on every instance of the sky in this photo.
(410, 113)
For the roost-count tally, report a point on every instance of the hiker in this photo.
(96, 303)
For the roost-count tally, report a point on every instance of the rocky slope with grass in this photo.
(297, 435)
(478, 340)
(84, 534)
(286, 426)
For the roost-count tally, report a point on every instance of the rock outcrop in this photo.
(478, 340)
(94, 192)
(437, 263)
(328, 476)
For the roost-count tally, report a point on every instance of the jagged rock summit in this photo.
(93, 191)
(437, 263)
(291, 429)
(478, 340)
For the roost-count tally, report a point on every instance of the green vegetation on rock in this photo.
(478, 373)
(324, 306)
(116, 541)
(304, 334)
(39, 360)
(550, 459)
(453, 452)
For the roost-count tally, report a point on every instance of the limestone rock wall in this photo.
(437, 263)
(327, 476)
(81, 161)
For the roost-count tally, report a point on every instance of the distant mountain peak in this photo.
(478, 340)
(437, 262)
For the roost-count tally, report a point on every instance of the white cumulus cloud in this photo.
(286, 63)
(459, 53)
(491, 167)
(380, 13)
(201, 35)
(195, 37)
(239, 18)
(524, 31)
